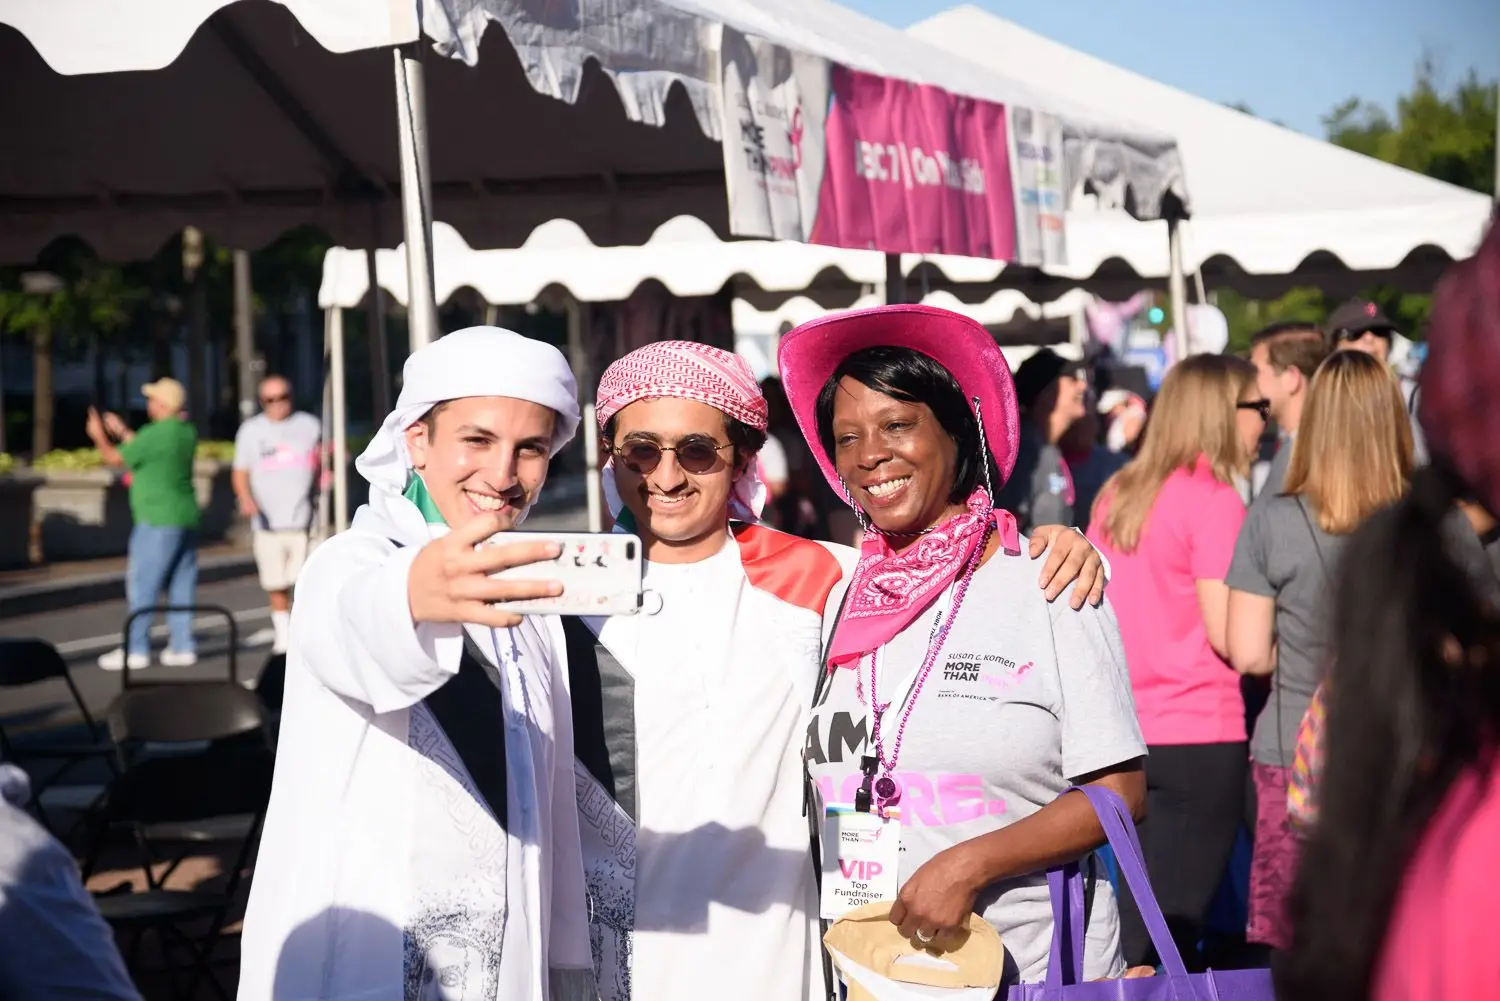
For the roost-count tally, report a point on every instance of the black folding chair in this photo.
(26, 662)
(184, 801)
(154, 610)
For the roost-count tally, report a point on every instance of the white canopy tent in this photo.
(257, 116)
(1272, 208)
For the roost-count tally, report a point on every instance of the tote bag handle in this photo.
(1066, 885)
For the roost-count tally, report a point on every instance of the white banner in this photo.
(775, 103)
(1037, 171)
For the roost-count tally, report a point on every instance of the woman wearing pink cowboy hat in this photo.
(957, 704)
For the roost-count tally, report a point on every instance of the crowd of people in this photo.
(470, 803)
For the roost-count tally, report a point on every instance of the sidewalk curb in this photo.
(55, 595)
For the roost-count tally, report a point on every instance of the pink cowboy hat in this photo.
(810, 354)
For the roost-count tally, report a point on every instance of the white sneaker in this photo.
(178, 658)
(116, 660)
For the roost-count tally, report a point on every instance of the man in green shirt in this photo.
(164, 541)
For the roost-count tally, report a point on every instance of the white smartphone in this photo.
(600, 574)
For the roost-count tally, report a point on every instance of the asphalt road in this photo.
(82, 633)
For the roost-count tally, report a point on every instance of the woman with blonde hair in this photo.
(1167, 522)
(1352, 456)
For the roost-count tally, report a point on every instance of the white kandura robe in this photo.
(381, 877)
(725, 899)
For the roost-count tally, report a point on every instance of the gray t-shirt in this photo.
(1040, 488)
(282, 459)
(1276, 474)
(1283, 554)
(1024, 697)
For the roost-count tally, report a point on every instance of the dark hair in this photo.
(747, 441)
(1405, 717)
(1293, 344)
(429, 419)
(912, 377)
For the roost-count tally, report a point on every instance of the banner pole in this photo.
(895, 281)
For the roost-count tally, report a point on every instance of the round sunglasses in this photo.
(1262, 407)
(696, 454)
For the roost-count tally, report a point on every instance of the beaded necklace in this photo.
(887, 793)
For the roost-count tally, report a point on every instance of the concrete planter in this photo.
(85, 513)
(17, 491)
(218, 509)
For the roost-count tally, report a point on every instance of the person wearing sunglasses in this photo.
(1285, 356)
(276, 465)
(691, 718)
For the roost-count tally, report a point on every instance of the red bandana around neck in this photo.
(890, 589)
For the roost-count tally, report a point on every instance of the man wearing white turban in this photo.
(422, 835)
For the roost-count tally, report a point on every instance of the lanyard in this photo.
(886, 792)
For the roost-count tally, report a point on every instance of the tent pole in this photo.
(244, 334)
(325, 468)
(380, 353)
(578, 359)
(1177, 286)
(895, 281)
(340, 413)
(416, 196)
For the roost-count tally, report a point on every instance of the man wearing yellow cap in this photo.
(163, 552)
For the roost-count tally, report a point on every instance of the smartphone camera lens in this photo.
(630, 550)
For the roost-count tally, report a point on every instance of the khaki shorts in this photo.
(279, 557)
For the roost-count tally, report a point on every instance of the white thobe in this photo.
(381, 874)
(725, 894)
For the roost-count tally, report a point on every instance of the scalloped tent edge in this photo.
(248, 136)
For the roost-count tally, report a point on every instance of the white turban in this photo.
(478, 361)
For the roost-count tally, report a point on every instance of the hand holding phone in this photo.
(455, 579)
(601, 574)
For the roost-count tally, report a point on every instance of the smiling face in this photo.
(899, 463)
(680, 516)
(482, 454)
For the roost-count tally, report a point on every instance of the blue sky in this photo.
(1290, 60)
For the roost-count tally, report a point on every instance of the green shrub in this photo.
(69, 459)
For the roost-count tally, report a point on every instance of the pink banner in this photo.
(914, 169)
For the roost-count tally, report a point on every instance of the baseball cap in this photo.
(1041, 370)
(1355, 317)
(168, 392)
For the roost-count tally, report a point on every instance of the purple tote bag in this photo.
(1065, 967)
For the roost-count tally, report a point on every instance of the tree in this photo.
(63, 303)
(35, 305)
(1449, 136)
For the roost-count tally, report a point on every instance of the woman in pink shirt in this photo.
(1167, 523)
(1395, 897)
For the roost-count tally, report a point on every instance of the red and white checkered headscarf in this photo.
(687, 370)
(683, 370)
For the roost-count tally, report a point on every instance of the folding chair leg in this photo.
(203, 968)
